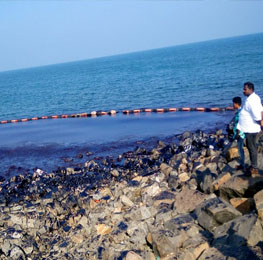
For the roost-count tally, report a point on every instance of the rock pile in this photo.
(181, 200)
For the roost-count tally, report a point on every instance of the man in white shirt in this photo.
(249, 123)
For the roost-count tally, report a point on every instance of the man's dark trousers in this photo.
(252, 148)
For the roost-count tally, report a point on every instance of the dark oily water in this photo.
(201, 74)
(50, 144)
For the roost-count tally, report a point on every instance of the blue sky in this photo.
(35, 33)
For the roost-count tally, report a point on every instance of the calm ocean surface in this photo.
(202, 74)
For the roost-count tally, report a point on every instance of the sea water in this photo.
(199, 74)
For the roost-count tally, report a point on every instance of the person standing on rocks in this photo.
(239, 135)
(249, 123)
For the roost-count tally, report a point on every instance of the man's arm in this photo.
(256, 110)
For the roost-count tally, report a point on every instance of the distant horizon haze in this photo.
(40, 33)
(127, 53)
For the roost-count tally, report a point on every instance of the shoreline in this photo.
(48, 145)
(176, 200)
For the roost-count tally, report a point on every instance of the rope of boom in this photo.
(125, 112)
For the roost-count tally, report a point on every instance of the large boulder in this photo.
(164, 242)
(214, 212)
(187, 200)
(194, 251)
(241, 186)
(205, 180)
(195, 237)
(222, 178)
(179, 236)
(242, 231)
(227, 252)
(181, 222)
(164, 197)
(244, 205)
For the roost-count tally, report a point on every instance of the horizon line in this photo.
(127, 53)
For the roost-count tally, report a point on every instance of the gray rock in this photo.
(233, 164)
(115, 173)
(28, 249)
(155, 154)
(138, 238)
(47, 201)
(152, 190)
(133, 256)
(260, 159)
(161, 144)
(212, 167)
(183, 177)
(205, 180)
(19, 219)
(165, 243)
(84, 222)
(192, 184)
(149, 256)
(227, 252)
(134, 214)
(241, 186)
(42, 230)
(159, 177)
(210, 152)
(166, 169)
(145, 213)
(16, 208)
(241, 231)
(164, 195)
(163, 216)
(137, 230)
(193, 250)
(259, 203)
(126, 201)
(178, 223)
(214, 212)
(185, 235)
(17, 235)
(6, 247)
(187, 200)
(17, 253)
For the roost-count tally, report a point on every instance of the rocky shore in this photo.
(181, 200)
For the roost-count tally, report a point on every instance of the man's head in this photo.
(248, 88)
(237, 102)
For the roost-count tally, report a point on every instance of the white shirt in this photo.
(249, 114)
